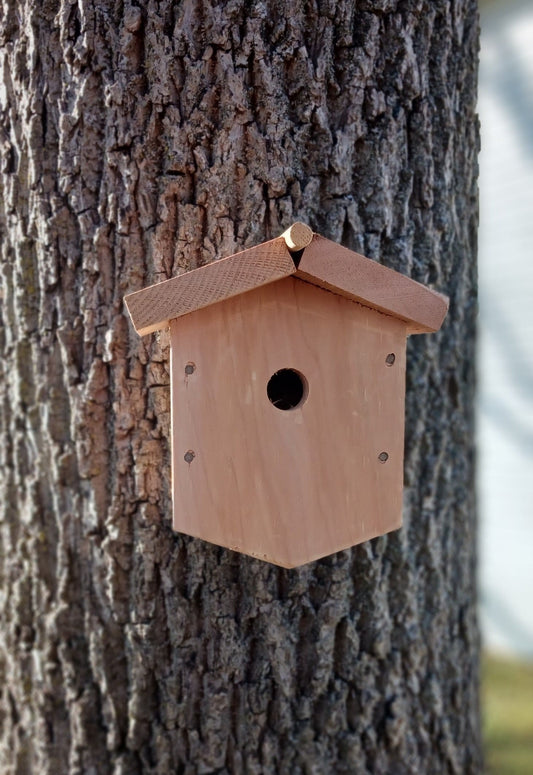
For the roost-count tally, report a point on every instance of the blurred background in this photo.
(505, 382)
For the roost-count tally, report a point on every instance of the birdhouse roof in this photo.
(323, 263)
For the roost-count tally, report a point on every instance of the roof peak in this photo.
(323, 263)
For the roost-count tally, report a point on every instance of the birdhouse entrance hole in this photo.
(287, 389)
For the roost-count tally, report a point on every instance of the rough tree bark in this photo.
(139, 140)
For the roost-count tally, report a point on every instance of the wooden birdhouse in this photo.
(288, 383)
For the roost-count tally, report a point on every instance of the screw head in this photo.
(189, 456)
(389, 360)
(189, 368)
(383, 457)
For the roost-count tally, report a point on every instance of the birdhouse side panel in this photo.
(287, 422)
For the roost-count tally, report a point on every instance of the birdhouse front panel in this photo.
(287, 422)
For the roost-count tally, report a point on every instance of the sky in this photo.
(505, 358)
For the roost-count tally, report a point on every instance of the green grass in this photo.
(508, 716)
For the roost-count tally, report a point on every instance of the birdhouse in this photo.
(288, 387)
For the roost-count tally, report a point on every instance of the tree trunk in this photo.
(141, 141)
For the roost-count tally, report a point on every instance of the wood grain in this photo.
(287, 486)
(152, 308)
(324, 263)
(331, 266)
(298, 236)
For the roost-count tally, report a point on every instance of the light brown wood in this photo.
(152, 308)
(287, 486)
(323, 263)
(298, 236)
(331, 266)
